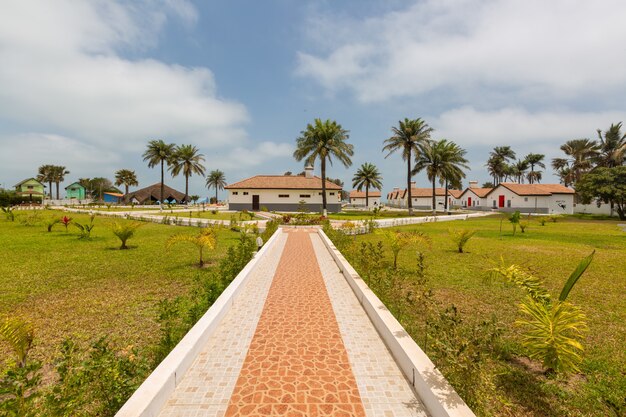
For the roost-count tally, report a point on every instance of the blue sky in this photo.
(87, 84)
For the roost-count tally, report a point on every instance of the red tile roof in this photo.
(536, 189)
(455, 193)
(282, 182)
(479, 192)
(426, 192)
(361, 194)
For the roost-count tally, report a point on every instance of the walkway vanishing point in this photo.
(297, 333)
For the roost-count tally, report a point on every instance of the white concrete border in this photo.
(150, 397)
(437, 395)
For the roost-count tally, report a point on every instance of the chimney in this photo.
(396, 189)
(412, 184)
(473, 184)
(308, 171)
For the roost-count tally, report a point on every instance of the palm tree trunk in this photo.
(408, 185)
(216, 194)
(186, 188)
(50, 189)
(324, 211)
(367, 195)
(162, 176)
(445, 203)
(57, 190)
(434, 197)
(126, 185)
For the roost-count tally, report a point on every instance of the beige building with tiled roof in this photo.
(531, 198)
(283, 193)
(357, 198)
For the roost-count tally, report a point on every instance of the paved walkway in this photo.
(296, 343)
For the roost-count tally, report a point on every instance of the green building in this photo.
(75, 190)
(31, 189)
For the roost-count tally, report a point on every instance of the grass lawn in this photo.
(220, 215)
(552, 252)
(89, 288)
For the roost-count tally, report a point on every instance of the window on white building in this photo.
(245, 193)
(306, 195)
(235, 192)
(283, 195)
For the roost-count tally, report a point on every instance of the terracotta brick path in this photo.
(297, 364)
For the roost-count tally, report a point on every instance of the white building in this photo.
(283, 193)
(475, 197)
(531, 198)
(422, 198)
(357, 198)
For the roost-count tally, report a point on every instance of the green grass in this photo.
(217, 216)
(551, 252)
(365, 215)
(90, 288)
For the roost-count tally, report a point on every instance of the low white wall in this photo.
(150, 397)
(437, 395)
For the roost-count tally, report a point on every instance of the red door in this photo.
(469, 201)
(500, 201)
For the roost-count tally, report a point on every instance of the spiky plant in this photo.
(51, 222)
(553, 329)
(401, 240)
(8, 213)
(515, 219)
(85, 229)
(207, 239)
(124, 231)
(19, 335)
(460, 237)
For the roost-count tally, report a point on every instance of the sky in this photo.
(86, 84)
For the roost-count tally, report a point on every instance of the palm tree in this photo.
(406, 138)
(46, 174)
(519, 170)
(58, 175)
(612, 147)
(497, 164)
(186, 159)
(323, 140)
(217, 180)
(454, 162)
(581, 153)
(159, 152)
(126, 177)
(367, 176)
(439, 159)
(533, 159)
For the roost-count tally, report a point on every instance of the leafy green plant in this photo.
(542, 220)
(213, 211)
(31, 218)
(399, 240)
(270, 227)
(51, 222)
(234, 223)
(554, 218)
(554, 329)
(460, 237)
(515, 219)
(206, 239)
(523, 225)
(124, 231)
(9, 213)
(264, 208)
(19, 335)
(85, 229)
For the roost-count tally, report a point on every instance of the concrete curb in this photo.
(150, 397)
(438, 396)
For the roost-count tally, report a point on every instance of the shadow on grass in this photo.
(128, 247)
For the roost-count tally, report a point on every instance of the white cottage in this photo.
(357, 198)
(532, 198)
(475, 198)
(283, 193)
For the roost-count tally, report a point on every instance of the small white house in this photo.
(357, 198)
(475, 198)
(283, 193)
(532, 198)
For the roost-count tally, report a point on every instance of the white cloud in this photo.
(250, 156)
(516, 126)
(66, 76)
(533, 49)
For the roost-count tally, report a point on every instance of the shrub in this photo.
(31, 218)
(213, 211)
(51, 222)
(234, 223)
(270, 227)
(264, 208)
(542, 221)
(523, 225)
(8, 213)
(85, 229)
(554, 217)
(124, 231)
(460, 237)
(399, 240)
(515, 219)
(206, 239)
(553, 329)
(65, 220)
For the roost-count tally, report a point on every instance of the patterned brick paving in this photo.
(297, 364)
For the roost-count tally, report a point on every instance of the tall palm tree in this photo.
(534, 159)
(454, 162)
(367, 176)
(186, 159)
(159, 152)
(126, 177)
(519, 170)
(439, 158)
(46, 174)
(612, 149)
(217, 180)
(497, 164)
(58, 176)
(324, 140)
(581, 153)
(406, 138)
